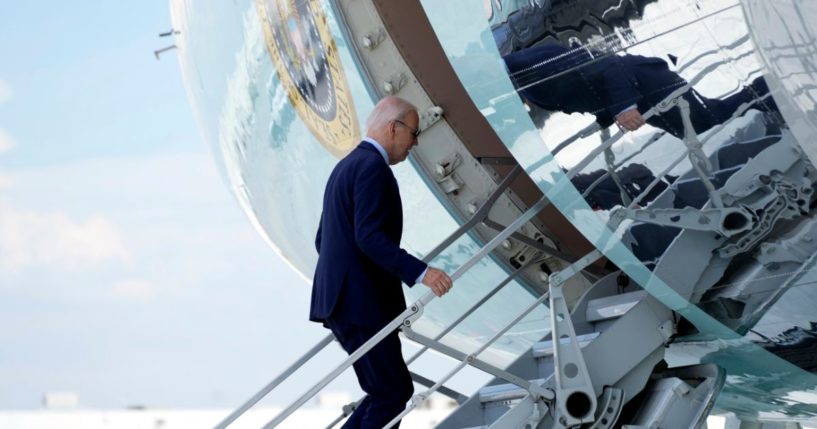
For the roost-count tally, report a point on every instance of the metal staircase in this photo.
(602, 365)
(605, 352)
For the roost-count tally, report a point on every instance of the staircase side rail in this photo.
(740, 111)
(460, 356)
(410, 314)
(479, 216)
(652, 140)
(458, 397)
(537, 391)
(274, 383)
(351, 406)
(665, 104)
(621, 163)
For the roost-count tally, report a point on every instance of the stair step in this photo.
(504, 392)
(545, 348)
(612, 306)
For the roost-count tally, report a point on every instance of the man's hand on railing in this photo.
(438, 281)
(630, 120)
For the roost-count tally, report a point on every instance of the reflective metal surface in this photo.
(708, 47)
(784, 34)
(719, 196)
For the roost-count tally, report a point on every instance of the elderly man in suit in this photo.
(619, 88)
(357, 286)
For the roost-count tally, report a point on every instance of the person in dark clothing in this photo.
(357, 286)
(634, 178)
(619, 88)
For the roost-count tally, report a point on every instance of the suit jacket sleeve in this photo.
(619, 83)
(372, 185)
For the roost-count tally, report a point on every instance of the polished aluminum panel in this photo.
(709, 45)
(786, 42)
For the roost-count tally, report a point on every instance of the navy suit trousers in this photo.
(704, 113)
(382, 373)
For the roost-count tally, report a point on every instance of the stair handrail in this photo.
(649, 143)
(738, 112)
(544, 394)
(667, 103)
(478, 216)
(408, 316)
(348, 408)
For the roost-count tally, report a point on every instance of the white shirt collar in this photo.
(379, 148)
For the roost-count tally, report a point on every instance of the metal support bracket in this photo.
(612, 401)
(575, 395)
(373, 39)
(542, 247)
(528, 241)
(526, 414)
(445, 172)
(497, 160)
(430, 116)
(417, 309)
(610, 160)
(727, 222)
(534, 389)
(395, 83)
(697, 157)
(785, 200)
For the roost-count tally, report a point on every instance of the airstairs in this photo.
(602, 365)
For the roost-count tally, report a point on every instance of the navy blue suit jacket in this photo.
(603, 87)
(360, 262)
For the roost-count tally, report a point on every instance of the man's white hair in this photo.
(387, 110)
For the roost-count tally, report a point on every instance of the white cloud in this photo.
(130, 289)
(52, 240)
(5, 92)
(6, 182)
(139, 183)
(6, 142)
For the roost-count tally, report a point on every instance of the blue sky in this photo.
(128, 273)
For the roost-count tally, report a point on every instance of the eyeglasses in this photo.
(414, 131)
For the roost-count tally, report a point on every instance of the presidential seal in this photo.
(306, 60)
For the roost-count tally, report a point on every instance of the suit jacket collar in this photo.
(366, 146)
(379, 147)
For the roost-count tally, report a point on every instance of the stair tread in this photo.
(545, 348)
(504, 392)
(612, 306)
